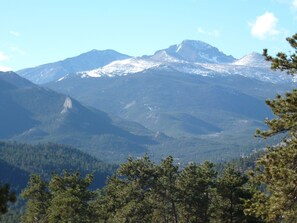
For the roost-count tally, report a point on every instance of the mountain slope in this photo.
(34, 114)
(86, 61)
(157, 95)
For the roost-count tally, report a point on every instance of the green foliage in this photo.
(165, 192)
(232, 192)
(196, 184)
(277, 173)
(275, 176)
(285, 109)
(142, 191)
(282, 61)
(63, 199)
(6, 196)
(38, 198)
(128, 192)
(44, 159)
(19, 160)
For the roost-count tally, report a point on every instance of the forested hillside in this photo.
(18, 161)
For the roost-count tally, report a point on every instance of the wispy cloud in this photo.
(14, 33)
(212, 33)
(3, 56)
(4, 68)
(265, 26)
(17, 50)
(294, 4)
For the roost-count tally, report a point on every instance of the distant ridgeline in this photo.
(18, 161)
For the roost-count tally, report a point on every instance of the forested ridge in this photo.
(45, 159)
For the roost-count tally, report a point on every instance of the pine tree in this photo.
(165, 192)
(64, 199)
(276, 172)
(71, 198)
(233, 191)
(196, 184)
(38, 198)
(127, 194)
(5, 197)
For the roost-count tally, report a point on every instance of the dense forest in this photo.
(19, 160)
(143, 191)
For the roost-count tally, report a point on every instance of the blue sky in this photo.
(35, 32)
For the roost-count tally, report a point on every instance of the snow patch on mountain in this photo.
(122, 67)
(129, 105)
(163, 57)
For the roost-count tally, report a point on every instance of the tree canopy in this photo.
(275, 176)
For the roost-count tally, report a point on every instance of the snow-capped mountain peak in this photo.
(252, 60)
(196, 51)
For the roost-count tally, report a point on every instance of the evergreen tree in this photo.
(282, 61)
(276, 172)
(127, 194)
(64, 199)
(165, 192)
(196, 184)
(5, 197)
(38, 198)
(232, 192)
(70, 199)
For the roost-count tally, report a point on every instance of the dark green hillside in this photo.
(13, 175)
(19, 160)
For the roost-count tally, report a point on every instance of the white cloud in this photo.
(17, 50)
(212, 33)
(200, 30)
(3, 56)
(4, 68)
(294, 4)
(14, 33)
(264, 26)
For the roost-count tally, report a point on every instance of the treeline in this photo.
(142, 191)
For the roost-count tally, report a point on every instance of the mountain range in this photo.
(189, 100)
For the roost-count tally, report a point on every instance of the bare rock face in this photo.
(67, 105)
